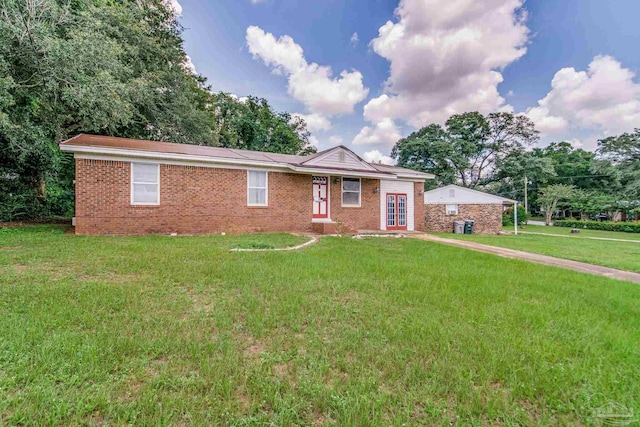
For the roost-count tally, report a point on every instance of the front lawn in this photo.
(621, 255)
(181, 331)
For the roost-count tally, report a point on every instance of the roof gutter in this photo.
(118, 152)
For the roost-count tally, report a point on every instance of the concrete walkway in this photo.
(575, 236)
(581, 267)
(313, 240)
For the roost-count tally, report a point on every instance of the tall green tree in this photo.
(111, 67)
(251, 124)
(519, 166)
(468, 148)
(550, 196)
(624, 152)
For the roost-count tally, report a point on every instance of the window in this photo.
(452, 209)
(145, 184)
(257, 188)
(351, 192)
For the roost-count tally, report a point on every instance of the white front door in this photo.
(320, 197)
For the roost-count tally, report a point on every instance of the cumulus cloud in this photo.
(312, 84)
(446, 57)
(354, 39)
(384, 133)
(375, 156)
(604, 100)
(175, 6)
(335, 140)
(314, 142)
(315, 122)
(188, 64)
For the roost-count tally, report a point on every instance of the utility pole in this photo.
(526, 195)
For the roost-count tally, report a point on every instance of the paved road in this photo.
(582, 267)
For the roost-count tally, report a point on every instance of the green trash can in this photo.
(468, 226)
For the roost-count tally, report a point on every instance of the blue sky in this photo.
(571, 65)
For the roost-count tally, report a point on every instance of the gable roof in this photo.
(454, 194)
(339, 156)
(323, 162)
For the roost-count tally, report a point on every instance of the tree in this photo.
(518, 166)
(251, 124)
(468, 148)
(551, 195)
(428, 150)
(624, 152)
(111, 68)
(590, 202)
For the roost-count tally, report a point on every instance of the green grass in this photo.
(621, 255)
(566, 231)
(180, 331)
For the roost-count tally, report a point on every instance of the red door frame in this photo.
(396, 220)
(324, 184)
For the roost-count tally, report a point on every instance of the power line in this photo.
(580, 176)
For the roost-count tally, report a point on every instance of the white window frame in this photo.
(133, 202)
(266, 188)
(448, 212)
(342, 193)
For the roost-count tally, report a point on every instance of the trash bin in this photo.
(468, 226)
(458, 227)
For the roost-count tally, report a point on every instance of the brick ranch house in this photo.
(127, 186)
(452, 203)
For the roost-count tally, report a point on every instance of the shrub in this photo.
(508, 217)
(626, 227)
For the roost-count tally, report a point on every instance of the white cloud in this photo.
(603, 100)
(384, 133)
(310, 83)
(315, 122)
(354, 39)
(175, 6)
(257, 1)
(314, 142)
(188, 64)
(576, 143)
(335, 140)
(446, 57)
(375, 156)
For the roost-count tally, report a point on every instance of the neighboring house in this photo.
(127, 186)
(452, 203)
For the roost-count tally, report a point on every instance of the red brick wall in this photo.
(488, 218)
(366, 217)
(198, 200)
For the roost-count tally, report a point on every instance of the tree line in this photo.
(110, 67)
(497, 153)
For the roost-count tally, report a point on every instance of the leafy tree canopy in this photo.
(468, 148)
(114, 68)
